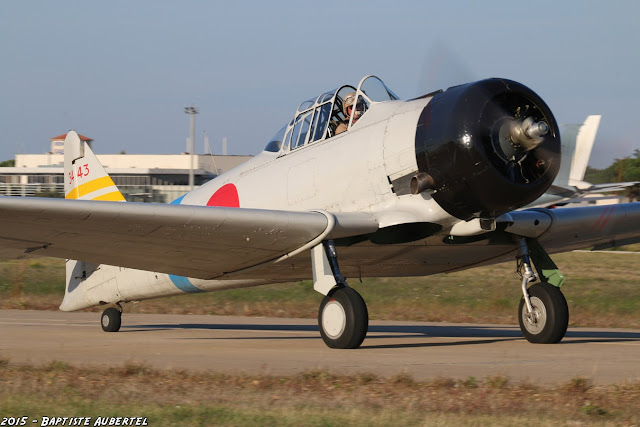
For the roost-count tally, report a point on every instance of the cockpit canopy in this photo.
(330, 114)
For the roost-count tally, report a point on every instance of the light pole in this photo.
(191, 111)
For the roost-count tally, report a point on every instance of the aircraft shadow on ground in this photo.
(485, 334)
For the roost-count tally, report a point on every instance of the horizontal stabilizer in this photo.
(614, 186)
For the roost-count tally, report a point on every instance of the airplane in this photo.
(358, 183)
(569, 185)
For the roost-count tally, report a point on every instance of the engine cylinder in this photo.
(464, 142)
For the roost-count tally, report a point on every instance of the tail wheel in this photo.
(343, 318)
(111, 320)
(550, 318)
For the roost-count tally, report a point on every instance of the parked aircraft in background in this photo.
(569, 186)
(410, 188)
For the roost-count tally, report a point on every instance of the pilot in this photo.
(347, 109)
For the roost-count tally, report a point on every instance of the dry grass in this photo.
(601, 290)
(311, 398)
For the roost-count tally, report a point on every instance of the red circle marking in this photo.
(225, 196)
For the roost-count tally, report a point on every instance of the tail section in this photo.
(584, 144)
(85, 178)
(577, 142)
(75, 295)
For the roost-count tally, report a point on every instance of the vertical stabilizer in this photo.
(85, 178)
(584, 145)
(577, 142)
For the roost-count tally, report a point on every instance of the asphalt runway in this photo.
(288, 346)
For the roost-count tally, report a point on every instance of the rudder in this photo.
(85, 177)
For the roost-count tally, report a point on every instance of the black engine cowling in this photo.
(466, 143)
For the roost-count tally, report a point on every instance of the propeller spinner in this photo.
(490, 147)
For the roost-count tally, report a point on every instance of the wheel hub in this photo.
(333, 319)
(537, 319)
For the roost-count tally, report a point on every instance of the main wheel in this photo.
(550, 318)
(343, 318)
(111, 320)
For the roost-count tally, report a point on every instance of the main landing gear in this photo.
(543, 313)
(343, 318)
(111, 319)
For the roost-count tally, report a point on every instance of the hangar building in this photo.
(158, 178)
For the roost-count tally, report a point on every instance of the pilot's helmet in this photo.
(349, 100)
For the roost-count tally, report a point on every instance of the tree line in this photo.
(621, 170)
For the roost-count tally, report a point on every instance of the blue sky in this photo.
(122, 72)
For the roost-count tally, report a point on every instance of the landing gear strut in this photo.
(343, 318)
(543, 313)
(111, 319)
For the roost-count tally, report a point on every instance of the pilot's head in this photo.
(348, 103)
(349, 99)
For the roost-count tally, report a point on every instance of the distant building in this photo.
(57, 143)
(158, 178)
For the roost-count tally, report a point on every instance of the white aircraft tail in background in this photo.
(570, 186)
(577, 143)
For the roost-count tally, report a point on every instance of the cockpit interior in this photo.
(330, 114)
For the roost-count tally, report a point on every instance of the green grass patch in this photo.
(41, 276)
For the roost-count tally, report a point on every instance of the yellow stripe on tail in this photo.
(116, 196)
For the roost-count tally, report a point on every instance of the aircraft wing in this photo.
(193, 241)
(557, 230)
(207, 242)
(599, 227)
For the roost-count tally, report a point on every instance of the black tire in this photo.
(111, 319)
(343, 318)
(552, 315)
